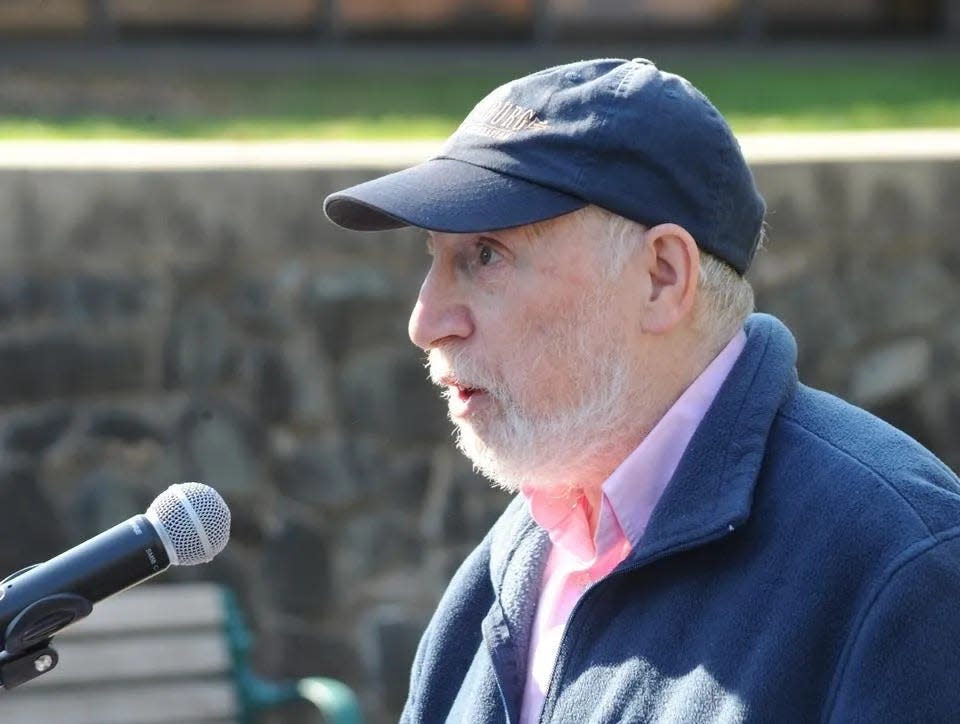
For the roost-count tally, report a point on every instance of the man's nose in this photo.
(438, 315)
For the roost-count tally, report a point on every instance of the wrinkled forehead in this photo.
(526, 234)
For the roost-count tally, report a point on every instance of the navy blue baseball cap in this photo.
(620, 134)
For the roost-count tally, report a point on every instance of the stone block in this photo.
(460, 505)
(948, 349)
(370, 545)
(248, 524)
(124, 426)
(22, 297)
(950, 451)
(33, 530)
(906, 413)
(832, 185)
(946, 182)
(76, 298)
(775, 268)
(314, 403)
(59, 215)
(346, 325)
(272, 385)
(482, 504)
(288, 650)
(894, 208)
(395, 636)
(199, 350)
(296, 571)
(891, 371)
(827, 334)
(442, 564)
(102, 498)
(440, 514)
(384, 391)
(792, 200)
(236, 568)
(63, 364)
(35, 432)
(349, 282)
(397, 476)
(321, 474)
(260, 306)
(89, 298)
(899, 296)
(221, 446)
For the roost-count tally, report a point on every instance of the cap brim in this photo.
(445, 194)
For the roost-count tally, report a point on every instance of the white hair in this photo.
(724, 296)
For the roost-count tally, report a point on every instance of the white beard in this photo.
(515, 444)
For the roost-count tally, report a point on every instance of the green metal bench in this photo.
(164, 654)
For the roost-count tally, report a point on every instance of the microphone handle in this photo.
(118, 558)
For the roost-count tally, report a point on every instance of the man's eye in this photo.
(486, 254)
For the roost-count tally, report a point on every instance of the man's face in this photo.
(529, 335)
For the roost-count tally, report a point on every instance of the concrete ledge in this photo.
(917, 144)
(208, 155)
(166, 155)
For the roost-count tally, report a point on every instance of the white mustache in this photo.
(456, 368)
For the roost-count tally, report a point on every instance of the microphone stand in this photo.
(27, 651)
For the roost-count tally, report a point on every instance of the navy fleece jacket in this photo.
(803, 565)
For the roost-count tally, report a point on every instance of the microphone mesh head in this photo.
(195, 519)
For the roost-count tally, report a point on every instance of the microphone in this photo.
(187, 524)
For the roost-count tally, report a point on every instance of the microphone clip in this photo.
(39, 621)
(27, 652)
(18, 668)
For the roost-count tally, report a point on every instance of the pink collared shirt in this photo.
(576, 559)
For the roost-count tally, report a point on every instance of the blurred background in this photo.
(174, 306)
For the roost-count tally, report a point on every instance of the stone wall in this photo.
(160, 326)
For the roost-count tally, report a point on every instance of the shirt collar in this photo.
(634, 488)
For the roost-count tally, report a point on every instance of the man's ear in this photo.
(671, 266)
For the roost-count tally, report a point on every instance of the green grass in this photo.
(828, 96)
(755, 95)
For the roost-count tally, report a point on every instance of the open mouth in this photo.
(465, 393)
(463, 398)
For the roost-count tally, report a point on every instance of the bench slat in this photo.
(154, 607)
(168, 656)
(128, 704)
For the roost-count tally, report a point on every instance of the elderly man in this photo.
(697, 536)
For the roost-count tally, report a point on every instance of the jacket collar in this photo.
(518, 554)
(712, 488)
